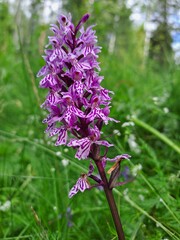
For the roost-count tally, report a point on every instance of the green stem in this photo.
(111, 201)
(157, 134)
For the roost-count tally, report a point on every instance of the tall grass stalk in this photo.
(159, 135)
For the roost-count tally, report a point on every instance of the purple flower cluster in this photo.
(78, 105)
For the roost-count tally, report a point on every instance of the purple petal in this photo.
(53, 98)
(77, 112)
(63, 20)
(84, 150)
(103, 116)
(118, 157)
(55, 42)
(84, 147)
(49, 128)
(52, 120)
(91, 169)
(94, 133)
(57, 53)
(42, 71)
(48, 81)
(73, 143)
(62, 139)
(67, 116)
(47, 119)
(54, 28)
(82, 183)
(84, 66)
(53, 131)
(105, 94)
(125, 156)
(114, 120)
(91, 116)
(73, 191)
(78, 88)
(98, 113)
(72, 111)
(104, 143)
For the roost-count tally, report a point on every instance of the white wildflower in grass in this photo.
(58, 154)
(155, 99)
(65, 162)
(133, 144)
(136, 169)
(66, 150)
(125, 192)
(166, 110)
(160, 99)
(116, 132)
(55, 208)
(53, 169)
(127, 124)
(141, 197)
(174, 177)
(128, 117)
(4, 207)
(30, 132)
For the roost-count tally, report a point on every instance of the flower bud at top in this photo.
(83, 20)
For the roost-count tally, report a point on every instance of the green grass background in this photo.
(33, 178)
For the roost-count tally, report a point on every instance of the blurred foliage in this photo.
(34, 182)
(161, 41)
(160, 45)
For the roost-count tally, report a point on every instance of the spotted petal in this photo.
(84, 150)
(84, 147)
(77, 112)
(42, 71)
(73, 191)
(81, 185)
(48, 81)
(97, 113)
(62, 138)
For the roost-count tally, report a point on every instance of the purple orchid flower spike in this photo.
(78, 105)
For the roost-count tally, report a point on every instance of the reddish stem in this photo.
(111, 201)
